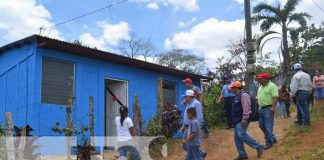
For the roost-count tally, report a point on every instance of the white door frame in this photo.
(105, 104)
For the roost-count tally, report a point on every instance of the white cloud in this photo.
(153, 6)
(188, 5)
(21, 18)
(209, 37)
(184, 24)
(111, 35)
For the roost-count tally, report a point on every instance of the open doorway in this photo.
(118, 89)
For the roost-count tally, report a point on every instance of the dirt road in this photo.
(220, 145)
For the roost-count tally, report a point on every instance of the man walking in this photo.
(190, 86)
(240, 118)
(267, 99)
(191, 102)
(228, 99)
(301, 86)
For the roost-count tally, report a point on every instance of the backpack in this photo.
(254, 115)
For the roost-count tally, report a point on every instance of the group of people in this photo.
(238, 105)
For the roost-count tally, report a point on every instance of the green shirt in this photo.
(266, 94)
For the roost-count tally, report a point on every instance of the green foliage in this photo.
(154, 128)
(213, 111)
(2, 131)
(314, 154)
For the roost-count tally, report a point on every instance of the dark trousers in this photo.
(288, 108)
(228, 102)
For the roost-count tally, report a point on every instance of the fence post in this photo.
(9, 139)
(160, 100)
(91, 115)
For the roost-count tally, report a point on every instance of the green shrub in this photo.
(213, 111)
(2, 131)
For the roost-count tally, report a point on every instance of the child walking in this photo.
(192, 137)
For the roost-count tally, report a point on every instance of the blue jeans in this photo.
(124, 148)
(281, 109)
(266, 123)
(203, 126)
(303, 117)
(241, 137)
(193, 152)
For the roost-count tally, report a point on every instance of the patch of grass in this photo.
(314, 154)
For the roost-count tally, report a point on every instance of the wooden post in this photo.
(160, 99)
(69, 126)
(9, 140)
(22, 141)
(137, 116)
(91, 116)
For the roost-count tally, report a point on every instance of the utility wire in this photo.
(83, 15)
(318, 6)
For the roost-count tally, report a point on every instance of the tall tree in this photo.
(282, 15)
(183, 60)
(136, 46)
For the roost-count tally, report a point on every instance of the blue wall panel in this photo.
(16, 75)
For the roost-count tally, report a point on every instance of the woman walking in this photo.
(318, 82)
(125, 133)
(282, 102)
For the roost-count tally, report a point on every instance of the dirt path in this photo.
(220, 145)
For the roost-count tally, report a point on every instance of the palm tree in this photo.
(283, 15)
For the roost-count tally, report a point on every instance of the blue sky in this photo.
(203, 26)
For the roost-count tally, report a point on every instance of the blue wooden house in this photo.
(39, 74)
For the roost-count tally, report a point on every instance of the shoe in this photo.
(275, 141)
(260, 152)
(204, 154)
(266, 147)
(241, 158)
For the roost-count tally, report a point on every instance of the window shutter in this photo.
(57, 81)
(169, 93)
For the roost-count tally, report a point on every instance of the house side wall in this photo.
(16, 84)
(90, 77)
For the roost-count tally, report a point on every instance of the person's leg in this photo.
(122, 153)
(134, 154)
(302, 100)
(238, 142)
(269, 122)
(262, 122)
(299, 114)
(246, 138)
(228, 111)
(288, 109)
(278, 109)
(189, 155)
(196, 153)
(284, 111)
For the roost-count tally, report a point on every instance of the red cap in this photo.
(187, 80)
(263, 76)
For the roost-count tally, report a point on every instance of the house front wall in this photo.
(90, 75)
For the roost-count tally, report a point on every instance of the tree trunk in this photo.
(285, 53)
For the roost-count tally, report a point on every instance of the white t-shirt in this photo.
(123, 131)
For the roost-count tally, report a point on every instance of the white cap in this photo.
(189, 93)
(297, 66)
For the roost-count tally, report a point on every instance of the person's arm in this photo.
(275, 95)
(132, 131)
(194, 131)
(221, 98)
(199, 112)
(131, 127)
(293, 86)
(246, 105)
(314, 82)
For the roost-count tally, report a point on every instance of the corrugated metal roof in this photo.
(58, 45)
